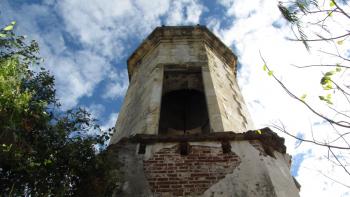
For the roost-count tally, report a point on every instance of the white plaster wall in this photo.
(256, 176)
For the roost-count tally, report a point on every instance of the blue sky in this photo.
(85, 44)
(66, 36)
(45, 21)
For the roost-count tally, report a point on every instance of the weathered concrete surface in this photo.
(183, 47)
(134, 183)
(257, 176)
(214, 163)
(206, 171)
(233, 111)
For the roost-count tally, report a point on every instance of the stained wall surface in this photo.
(212, 164)
(140, 112)
(141, 108)
(245, 171)
(234, 114)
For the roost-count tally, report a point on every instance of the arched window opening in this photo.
(183, 107)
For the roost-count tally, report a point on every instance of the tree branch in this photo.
(339, 162)
(321, 39)
(336, 55)
(309, 141)
(321, 65)
(341, 10)
(296, 98)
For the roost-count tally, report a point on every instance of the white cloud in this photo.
(102, 25)
(117, 86)
(110, 122)
(101, 28)
(252, 31)
(96, 110)
(185, 12)
(77, 74)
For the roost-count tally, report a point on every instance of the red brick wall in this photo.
(172, 174)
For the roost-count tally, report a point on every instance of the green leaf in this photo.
(327, 99)
(2, 35)
(258, 131)
(13, 23)
(289, 16)
(303, 97)
(328, 86)
(18, 155)
(332, 4)
(301, 6)
(6, 148)
(338, 69)
(325, 80)
(47, 162)
(340, 42)
(330, 73)
(270, 73)
(8, 28)
(264, 67)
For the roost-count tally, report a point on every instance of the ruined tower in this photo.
(184, 129)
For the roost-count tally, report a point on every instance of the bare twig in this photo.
(322, 11)
(341, 89)
(333, 179)
(338, 112)
(336, 55)
(340, 136)
(339, 161)
(341, 10)
(307, 105)
(322, 65)
(321, 39)
(308, 141)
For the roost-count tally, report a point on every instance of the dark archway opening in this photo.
(183, 112)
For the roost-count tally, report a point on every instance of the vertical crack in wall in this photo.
(239, 108)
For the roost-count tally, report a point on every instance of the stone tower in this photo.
(184, 129)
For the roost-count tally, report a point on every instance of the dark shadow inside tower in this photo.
(183, 106)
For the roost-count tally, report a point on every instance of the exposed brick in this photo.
(172, 174)
(176, 186)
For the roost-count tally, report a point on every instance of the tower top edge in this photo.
(199, 32)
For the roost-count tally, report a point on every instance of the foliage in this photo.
(324, 22)
(43, 150)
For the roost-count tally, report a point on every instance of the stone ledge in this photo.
(268, 138)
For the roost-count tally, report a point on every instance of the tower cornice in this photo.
(171, 33)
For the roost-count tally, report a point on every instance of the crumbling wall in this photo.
(172, 174)
(244, 171)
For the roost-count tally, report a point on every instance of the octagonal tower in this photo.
(182, 80)
(184, 129)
